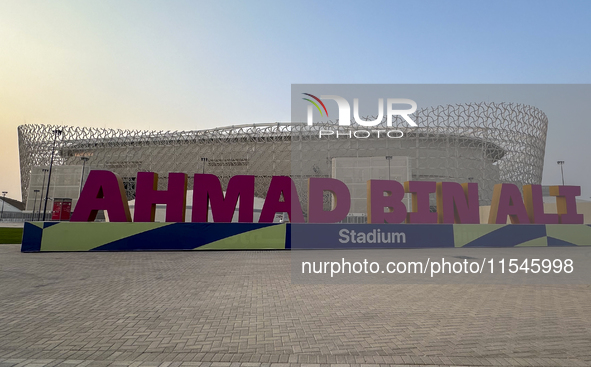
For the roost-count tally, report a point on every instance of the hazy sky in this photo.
(186, 65)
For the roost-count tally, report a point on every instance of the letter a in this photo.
(103, 191)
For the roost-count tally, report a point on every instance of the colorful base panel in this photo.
(67, 236)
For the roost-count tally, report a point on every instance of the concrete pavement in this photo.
(240, 309)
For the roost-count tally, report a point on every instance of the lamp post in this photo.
(84, 160)
(389, 158)
(204, 160)
(56, 132)
(44, 170)
(34, 204)
(3, 197)
(561, 163)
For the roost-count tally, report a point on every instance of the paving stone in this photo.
(240, 309)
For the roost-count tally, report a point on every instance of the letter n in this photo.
(208, 190)
(103, 191)
(457, 203)
(147, 196)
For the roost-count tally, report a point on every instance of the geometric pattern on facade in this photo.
(483, 142)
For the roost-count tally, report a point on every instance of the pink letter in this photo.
(147, 196)
(566, 203)
(208, 189)
(282, 185)
(103, 190)
(341, 197)
(534, 204)
(377, 201)
(457, 203)
(507, 200)
(421, 210)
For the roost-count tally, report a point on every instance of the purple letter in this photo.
(341, 197)
(208, 189)
(291, 205)
(392, 201)
(103, 190)
(507, 200)
(421, 210)
(566, 203)
(147, 196)
(534, 204)
(457, 203)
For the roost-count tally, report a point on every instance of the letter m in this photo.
(207, 190)
(398, 237)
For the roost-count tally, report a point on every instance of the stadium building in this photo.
(487, 143)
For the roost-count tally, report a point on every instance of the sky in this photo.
(187, 65)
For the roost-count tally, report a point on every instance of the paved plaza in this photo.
(240, 309)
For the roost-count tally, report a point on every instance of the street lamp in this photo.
(84, 160)
(34, 204)
(389, 158)
(56, 132)
(204, 160)
(44, 170)
(3, 197)
(561, 163)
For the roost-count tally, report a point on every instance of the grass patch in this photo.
(11, 235)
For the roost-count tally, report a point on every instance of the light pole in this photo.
(3, 197)
(34, 204)
(44, 170)
(204, 160)
(84, 160)
(561, 163)
(389, 158)
(56, 132)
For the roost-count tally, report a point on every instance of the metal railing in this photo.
(18, 217)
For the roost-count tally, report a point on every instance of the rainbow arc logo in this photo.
(315, 104)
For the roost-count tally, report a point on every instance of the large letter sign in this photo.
(534, 204)
(103, 191)
(147, 196)
(222, 208)
(421, 210)
(282, 186)
(566, 204)
(385, 194)
(456, 203)
(507, 202)
(341, 197)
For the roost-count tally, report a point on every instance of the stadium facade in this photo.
(487, 143)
